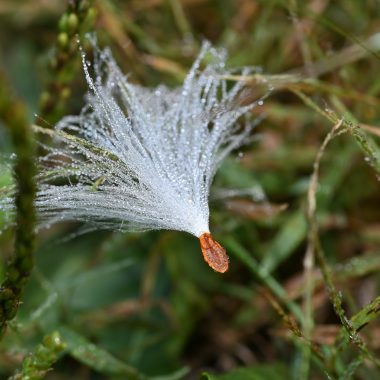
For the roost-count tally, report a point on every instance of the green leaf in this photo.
(290, 236)
(262, 372)
(96, 358)
(367, 314)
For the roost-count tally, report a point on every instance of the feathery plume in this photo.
(138, 158)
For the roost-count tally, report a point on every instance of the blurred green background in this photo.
(132, 306)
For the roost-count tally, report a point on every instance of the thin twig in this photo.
(78, 19)
(13, 114)
(315, 248)
(309, 259)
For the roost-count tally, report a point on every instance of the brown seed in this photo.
(213, 253)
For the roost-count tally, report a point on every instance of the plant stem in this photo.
(78, 19)
(315, 248)
(13, 114)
